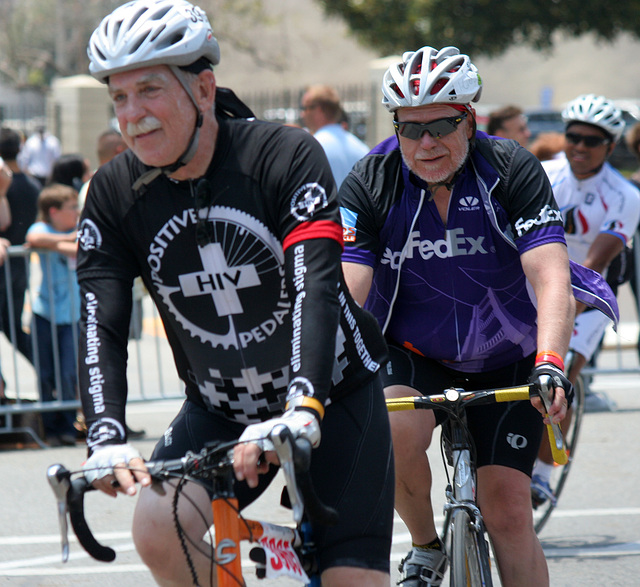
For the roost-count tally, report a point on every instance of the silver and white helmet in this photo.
(597, 111)
(429, 76)
(151, 32)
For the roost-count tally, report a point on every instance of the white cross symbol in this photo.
(219, 280)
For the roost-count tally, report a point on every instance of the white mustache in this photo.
(146, 125)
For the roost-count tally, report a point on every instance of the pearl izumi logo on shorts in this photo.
(516, 441)
(455, 244)
(307, 200)
(89, 236)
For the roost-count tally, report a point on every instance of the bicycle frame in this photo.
(472, 568)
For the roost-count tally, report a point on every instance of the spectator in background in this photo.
(22, 197)
(110, 144)
(6, 177)
(70, 169)
(57, 313)
(39, 153)
(321, 113)
(509, 122)
(548, 145)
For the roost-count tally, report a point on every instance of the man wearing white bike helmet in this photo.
(446, 232)
(233, 225)
(600, 210)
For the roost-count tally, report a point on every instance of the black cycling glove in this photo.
(557, 376)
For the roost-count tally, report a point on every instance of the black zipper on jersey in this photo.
(203, 200)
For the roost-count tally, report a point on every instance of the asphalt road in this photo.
(593, 537)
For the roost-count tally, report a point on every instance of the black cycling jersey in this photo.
(258, 306)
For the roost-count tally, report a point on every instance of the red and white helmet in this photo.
(597, 111)
(151, 32)
(428, 76)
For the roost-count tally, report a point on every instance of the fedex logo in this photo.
(454, 244)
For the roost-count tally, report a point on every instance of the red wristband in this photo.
(550, 357)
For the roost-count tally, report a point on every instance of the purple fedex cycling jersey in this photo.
(454, 292)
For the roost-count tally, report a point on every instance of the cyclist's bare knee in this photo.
(154, 533)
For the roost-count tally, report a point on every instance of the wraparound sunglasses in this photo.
(436, 128)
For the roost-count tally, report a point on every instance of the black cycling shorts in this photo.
(505, 434)
(352, 471)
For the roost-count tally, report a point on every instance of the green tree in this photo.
(42, 39)
(481, 26)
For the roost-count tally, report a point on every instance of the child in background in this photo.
(56, 307)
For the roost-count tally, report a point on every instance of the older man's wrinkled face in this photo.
(433, 159)
(155, 113)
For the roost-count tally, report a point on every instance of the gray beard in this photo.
(439, 178)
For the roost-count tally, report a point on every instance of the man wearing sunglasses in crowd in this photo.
(600, 210)
(234, 226)
(446, 232)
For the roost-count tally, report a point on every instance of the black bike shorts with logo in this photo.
(352, 471)
(506, 434)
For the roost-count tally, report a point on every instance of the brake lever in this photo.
(556, 439)
(282, 440)
(59, 479)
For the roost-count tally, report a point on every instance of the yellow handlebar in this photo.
(512, 394)
(500, 395)
(401, 403)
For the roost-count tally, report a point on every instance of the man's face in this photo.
(435, 160)
(155, 114)
(516, 128)
(584, 160)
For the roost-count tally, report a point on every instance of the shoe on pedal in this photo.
(541, 491)
(423, 568)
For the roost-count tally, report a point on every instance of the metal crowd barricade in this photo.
(151, 370)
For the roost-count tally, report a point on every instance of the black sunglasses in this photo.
(436, 128)
(204, 199)
(588, 140)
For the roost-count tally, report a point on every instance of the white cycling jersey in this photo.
(605, 202)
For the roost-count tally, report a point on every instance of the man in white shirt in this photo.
(39, 153)
(321, 114)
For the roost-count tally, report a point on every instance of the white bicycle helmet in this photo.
(597, 111)
(428, 76)
(151, 32)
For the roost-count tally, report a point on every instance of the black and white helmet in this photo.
(429, 76)
(597, 111)
(151, 32)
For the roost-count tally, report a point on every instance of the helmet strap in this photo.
(150, 175)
